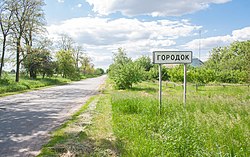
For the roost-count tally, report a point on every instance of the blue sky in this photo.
(142, 26)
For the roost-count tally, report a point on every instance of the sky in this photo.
(144, 26)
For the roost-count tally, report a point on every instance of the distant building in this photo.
(196, 62)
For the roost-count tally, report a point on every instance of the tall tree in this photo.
(66, 43)
(66, 63)
(35, 25)
(6, 14)
(78, 52)
(24, 12)
(86, 63)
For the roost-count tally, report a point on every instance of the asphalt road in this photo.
(26, 119)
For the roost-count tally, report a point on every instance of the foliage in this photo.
(86, 66)
(28, 18)
(39, 61)
(201, 75)
(228, 64)
(66, 64)
(124, 72)
(176, 74)
(99, 71)
(153, 73)
(231, 63)
(144, 62)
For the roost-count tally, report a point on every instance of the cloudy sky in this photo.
(142, 26)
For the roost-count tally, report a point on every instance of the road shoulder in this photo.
(88, 133)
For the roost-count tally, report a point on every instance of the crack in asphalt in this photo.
(26, 119)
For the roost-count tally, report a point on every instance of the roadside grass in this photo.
(88, 133)
(215, 122)
(9, 86)
(68, 137)
(101, 130)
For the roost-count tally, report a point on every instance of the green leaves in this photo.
(124, 72)
(231, 63)
(66, 64)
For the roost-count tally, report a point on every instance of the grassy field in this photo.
(9, 86)
(215, 122)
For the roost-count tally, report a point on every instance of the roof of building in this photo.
(196, 62)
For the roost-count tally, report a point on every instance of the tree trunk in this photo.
(32, 73)
(18, 59)
(2, 59)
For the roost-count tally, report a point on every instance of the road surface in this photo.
(26, 119)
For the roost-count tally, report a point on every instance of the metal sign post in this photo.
(160, 89)
(185, 85)
(172, 57)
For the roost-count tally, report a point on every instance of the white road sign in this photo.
(172, 57)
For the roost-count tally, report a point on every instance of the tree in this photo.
(66, 43)
(124, 72)
(231, 63)
(6, 14)
(153, 73)
(176, 73)
(99, 71)
(35, 24)
(85, 63)
(66, 64)
(78, 53)
(39, 61)
(26, 15)
(144, 62)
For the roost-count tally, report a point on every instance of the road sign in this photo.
(172, 57)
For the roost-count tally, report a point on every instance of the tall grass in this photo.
(215, 122)
(7, 84)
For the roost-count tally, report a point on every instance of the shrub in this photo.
(124, 72)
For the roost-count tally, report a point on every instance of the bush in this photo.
(176, 74)
(124, 72)
(125, 75)
(153, 73)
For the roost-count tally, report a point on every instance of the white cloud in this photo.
(79, 5)
(60, 1)
(207, 44)
(103, 36)
(151, 7)
(242, 34)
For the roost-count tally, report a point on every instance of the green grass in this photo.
(8, 85)
(215, 122)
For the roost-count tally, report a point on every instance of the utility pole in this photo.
(199, 44)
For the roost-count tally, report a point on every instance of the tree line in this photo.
(23, 34)
(229, 64)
